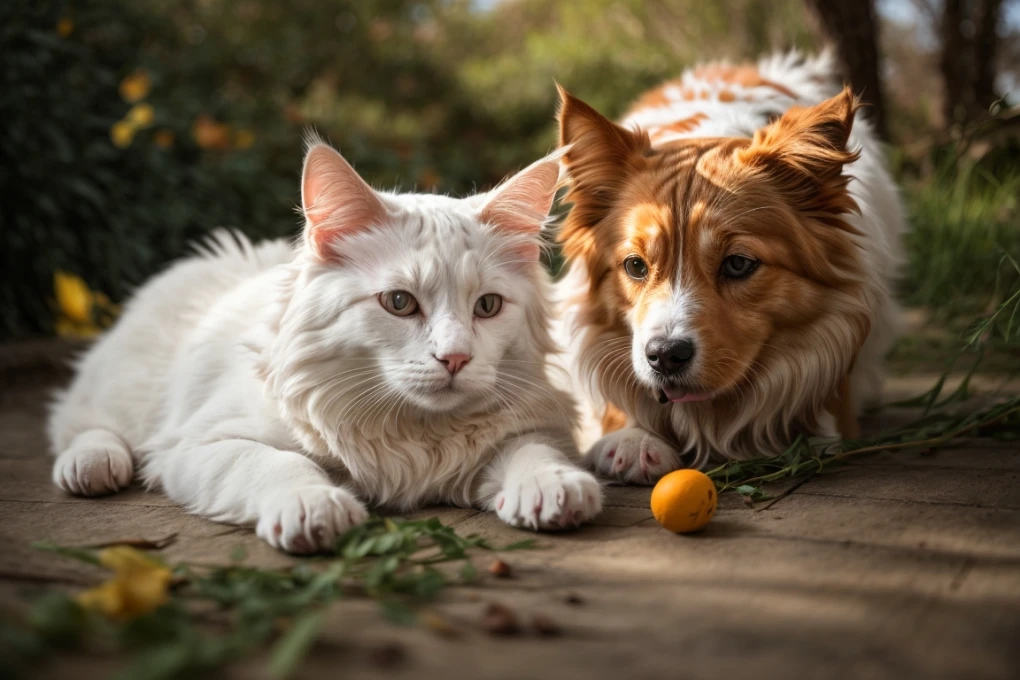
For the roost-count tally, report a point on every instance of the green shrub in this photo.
(963, 220)
(70, 198)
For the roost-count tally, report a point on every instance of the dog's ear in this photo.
(598, 155)
(803, 154)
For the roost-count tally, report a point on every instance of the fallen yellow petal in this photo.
(140, 584)
(122, 558)
(73, 297)
(105, 599)
(65, 27)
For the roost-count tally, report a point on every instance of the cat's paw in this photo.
(553, 497)
(96, 463)
(633, 455)
(308, 519)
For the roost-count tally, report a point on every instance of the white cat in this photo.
(395, 356)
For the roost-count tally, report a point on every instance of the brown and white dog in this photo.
(731, 246)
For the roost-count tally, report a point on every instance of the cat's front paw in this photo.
(633, 455)
(309, 519)
(96, 463)
(554, 497)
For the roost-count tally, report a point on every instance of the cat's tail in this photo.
(235, 250)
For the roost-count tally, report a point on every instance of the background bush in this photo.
(427, 94)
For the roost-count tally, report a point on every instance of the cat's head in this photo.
(424, 300)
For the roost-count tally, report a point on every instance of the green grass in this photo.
(214, 616)
(963, 221)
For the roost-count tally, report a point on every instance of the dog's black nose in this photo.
(669, 357)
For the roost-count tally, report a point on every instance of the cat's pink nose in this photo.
(453, 362)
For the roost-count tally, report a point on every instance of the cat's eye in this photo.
(398, 302)
(739, 266)
(488, 306)
(636, 268)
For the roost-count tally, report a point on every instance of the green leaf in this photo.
(293, 646)
(428, 584)
(161, 662)
(380, 571)
(355, 551)
(58, 618)
(387, 543)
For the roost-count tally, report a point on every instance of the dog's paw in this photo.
(633, 455)
(96, 463)
(308, 519)
(553, 497)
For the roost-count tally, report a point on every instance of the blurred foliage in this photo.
(964, 238)
(79, 194)
(131, 128)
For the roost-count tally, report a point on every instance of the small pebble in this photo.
(500, 569)
(501, 620)
(575, 599)
(545, 626)
(388, 655)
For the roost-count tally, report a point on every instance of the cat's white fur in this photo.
(266, 384)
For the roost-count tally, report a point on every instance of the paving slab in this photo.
(896, 565)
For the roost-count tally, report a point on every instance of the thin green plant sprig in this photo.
(938, 424)
(214, 615)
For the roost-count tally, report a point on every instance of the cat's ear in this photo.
(335, 201)
(520, 205)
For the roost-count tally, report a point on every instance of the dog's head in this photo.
(718, 256)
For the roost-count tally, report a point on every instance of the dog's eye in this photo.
(738, 267)
(636, 268)
(488, 306)
(398, 302)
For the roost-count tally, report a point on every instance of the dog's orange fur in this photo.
(689, 204)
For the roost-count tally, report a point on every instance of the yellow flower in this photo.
(138, 586)
(74, 298)
(164, 138)
(209, 134)
(65, 27)
(66, 328)
(243, 139)
(122, 133)
(78, 308)
(135, 86)
(141, 115)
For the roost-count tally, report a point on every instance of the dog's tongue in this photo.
(679, 396)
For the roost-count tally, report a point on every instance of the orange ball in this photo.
(684, 501)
